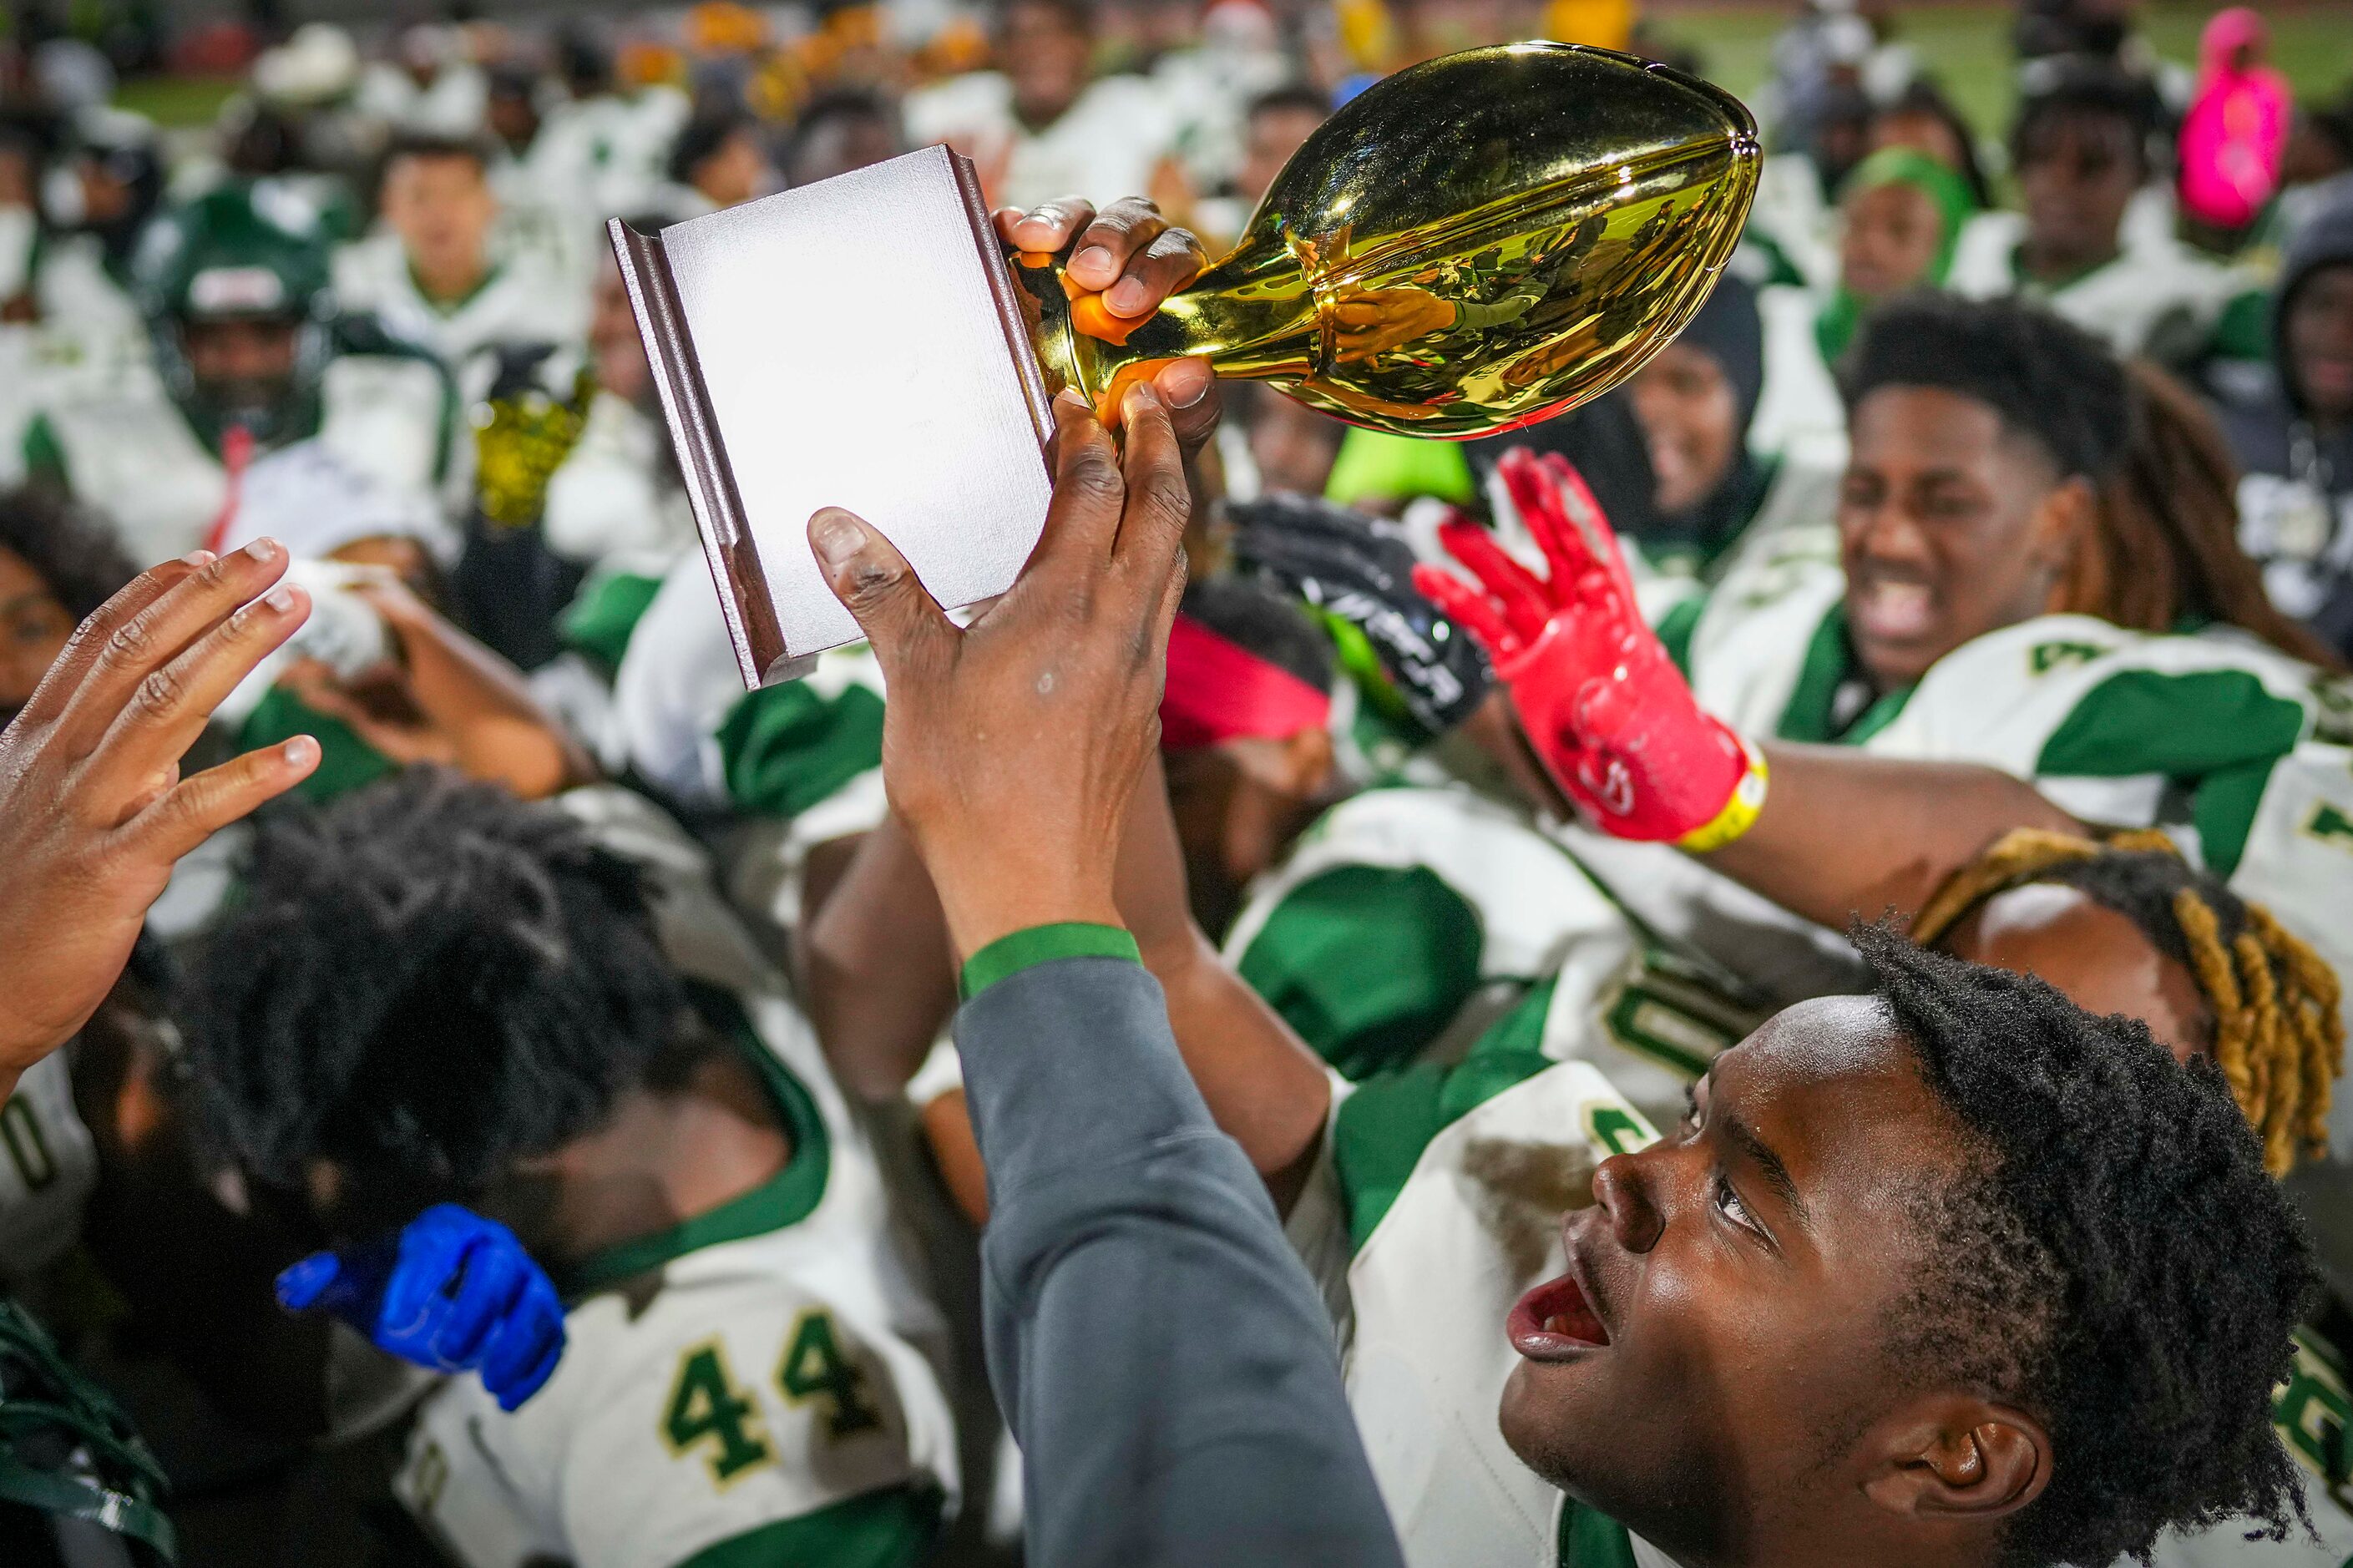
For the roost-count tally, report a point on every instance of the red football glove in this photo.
(1613, 720)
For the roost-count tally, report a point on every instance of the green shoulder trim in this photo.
(1592, 1540)
(1830, 660)
(346, 761)
(2243, 330)
(1676, 626)
(1367, 963)
(1380, 1131)
(45, 455)
(601, 618)
(892, 1527)
(446, 309)
(2218, 731)
(783, 748)
(787, 1198)
(1828, 656)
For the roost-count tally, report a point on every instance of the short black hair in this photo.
(70, 549)
(2051, 382)
(1079, 13)
(424, 981)
(2075, 89)
(429, 144)
(851, 103)
(1260, 620)
(1303, 97)
(2114, 1261)
(1924, 95)
(704, 136)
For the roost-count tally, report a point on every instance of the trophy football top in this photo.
(1474, 244)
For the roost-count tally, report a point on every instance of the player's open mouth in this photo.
(1556, 1321)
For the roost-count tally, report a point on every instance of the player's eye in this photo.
(1734, 1208)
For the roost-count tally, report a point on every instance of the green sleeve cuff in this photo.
(1010, 954)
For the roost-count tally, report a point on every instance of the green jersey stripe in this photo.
(1367, 963)
(783, 748)
(892, 1527)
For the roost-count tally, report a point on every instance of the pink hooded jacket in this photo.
(2235, 134)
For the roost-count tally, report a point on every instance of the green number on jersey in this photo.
(28, 1146)
(2329, 824)
(815, 1368)
(707, 1409)
(1619, 1131)
(2046, 656)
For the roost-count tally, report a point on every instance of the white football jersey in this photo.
(1423, 1240)
(2158, 297)
(761, 1375)
(48, 1164)
(529, 297)
(2190, 733)
(1407, 920)
(1104, 147)
(132, 455)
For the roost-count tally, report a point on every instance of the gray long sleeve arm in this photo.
(1162, 1356)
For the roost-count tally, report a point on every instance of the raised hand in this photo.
(93, 811)
(1012, 747)
(1360, 569)
(1614, 722)
(451, 1291)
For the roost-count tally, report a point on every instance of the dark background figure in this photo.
(2292, 434)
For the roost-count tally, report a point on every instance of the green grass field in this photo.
(1965, 44)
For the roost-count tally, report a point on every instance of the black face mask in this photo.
(270, 408)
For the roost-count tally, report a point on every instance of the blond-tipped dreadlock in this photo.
(2279, 1037)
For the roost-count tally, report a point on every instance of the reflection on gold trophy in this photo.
(1471, 245)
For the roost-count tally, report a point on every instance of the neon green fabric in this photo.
(1376, 465)
(1946, 191)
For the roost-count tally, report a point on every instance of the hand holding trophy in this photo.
(1473, 244)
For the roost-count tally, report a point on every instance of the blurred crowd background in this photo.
(445, 173)
(337, 274)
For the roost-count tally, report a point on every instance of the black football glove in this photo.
(1360, 569)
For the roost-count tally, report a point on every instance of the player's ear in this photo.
(1308, 762)
(1955, 1457)
(2063, 524)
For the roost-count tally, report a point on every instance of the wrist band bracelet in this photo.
(1740, 812)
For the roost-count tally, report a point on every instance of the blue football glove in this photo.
(452, 1292)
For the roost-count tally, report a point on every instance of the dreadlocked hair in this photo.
(426, 981)
(2278, 1033)
(2108, 1256)
(2165, 549)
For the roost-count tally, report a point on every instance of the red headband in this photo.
(1218, 690)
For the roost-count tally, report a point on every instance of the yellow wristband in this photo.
(1740, 812)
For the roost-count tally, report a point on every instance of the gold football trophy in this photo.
(1471, 245)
